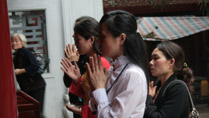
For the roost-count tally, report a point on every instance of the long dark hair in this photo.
(119, 22)
(173, 50)
(87, 26)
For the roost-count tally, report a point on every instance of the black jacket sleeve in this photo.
(33, 65)
(67, 80)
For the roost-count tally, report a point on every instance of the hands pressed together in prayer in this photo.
(71, 70)
(98, 75)
(72, 53)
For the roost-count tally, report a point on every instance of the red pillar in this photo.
(8, 105)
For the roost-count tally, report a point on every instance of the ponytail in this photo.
(136, 52)
(186, 75)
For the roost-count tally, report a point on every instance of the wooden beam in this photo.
(150, 10)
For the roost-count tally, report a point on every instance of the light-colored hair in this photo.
(22, 38)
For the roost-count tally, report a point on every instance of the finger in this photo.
(151, 84)
(96, 62)
(105, 71)
(63, 69)
(64, 64)
(66, 53)
(69, 48)
(77, 53)
(100, 63)
(68, 107)
(89, 72)
(69, 63)
(66, 49)
(74, 49)
(89, 75)
(76, 66)
(92, 64)
(154, 89)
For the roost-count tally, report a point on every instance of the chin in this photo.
(153, 74)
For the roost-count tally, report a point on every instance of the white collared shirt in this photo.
(127, 97)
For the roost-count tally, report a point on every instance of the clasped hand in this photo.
(152, 89)
(71, 70)
(72, 53)
(98, 75)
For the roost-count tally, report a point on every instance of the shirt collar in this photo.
(120, 61)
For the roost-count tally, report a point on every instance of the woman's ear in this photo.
(172, 62)
(92, 40)
(122, 38)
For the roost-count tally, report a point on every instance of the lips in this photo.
(152, 69)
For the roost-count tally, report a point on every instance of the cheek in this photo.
(157, 63)
(18, 45)
(80, 47)
(106, 48)
(161, 66)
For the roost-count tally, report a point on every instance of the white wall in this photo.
(77, 8)
(60, 17)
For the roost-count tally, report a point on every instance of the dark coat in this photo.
(174, 104)
(31, 80)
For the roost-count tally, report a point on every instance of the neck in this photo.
(118, 55)
(91, 53)
(165, 77)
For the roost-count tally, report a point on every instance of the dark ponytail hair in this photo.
(173, 50)
(186, 74)
(87, 26)
(119, 22)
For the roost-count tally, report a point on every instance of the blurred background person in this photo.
(86, 34)
(26, 70)
(168, 64)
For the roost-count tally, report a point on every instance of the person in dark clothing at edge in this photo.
(26, 70)
(81, 60)
(86, 36)
(67, 81)
(168, 64)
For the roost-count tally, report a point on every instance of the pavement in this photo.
(203, 110)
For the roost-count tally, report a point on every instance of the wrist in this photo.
(76, 80)
(99, 87)
(20, 71)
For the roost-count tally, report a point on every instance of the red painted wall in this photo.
(8, 105)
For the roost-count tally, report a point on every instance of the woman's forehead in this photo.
(156, 51)
(104, 30)
(15, 37)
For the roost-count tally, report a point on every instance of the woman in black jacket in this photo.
(26, 70)
(167, 64)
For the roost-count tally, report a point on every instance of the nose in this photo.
(151, 63)
(73, 35)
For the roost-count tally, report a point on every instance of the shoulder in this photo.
(26, 51)
(134, 72)
(177, 87)
(177, 84)
(105, 62)
(134, 69)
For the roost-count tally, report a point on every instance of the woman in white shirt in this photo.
(121, 92)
